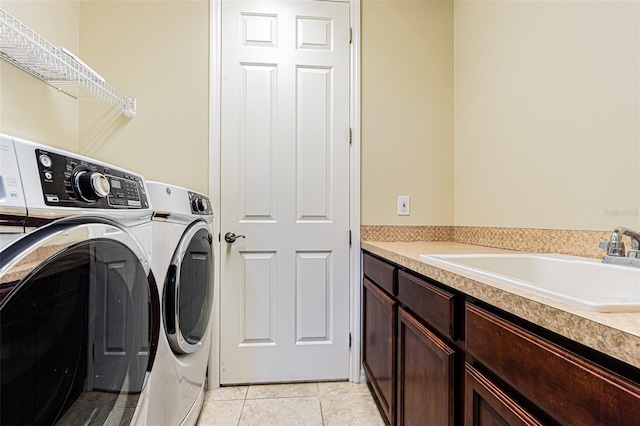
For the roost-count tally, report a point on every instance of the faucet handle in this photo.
(613, 248)
(617, 249)
(635, 254)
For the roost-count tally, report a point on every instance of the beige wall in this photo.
(546, 104)
(29, 108)
(407, 111)
(547, 113)
(158, 53)
(154, 51)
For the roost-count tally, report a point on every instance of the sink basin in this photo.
(584, 282)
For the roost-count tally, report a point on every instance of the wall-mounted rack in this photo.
(55, 65)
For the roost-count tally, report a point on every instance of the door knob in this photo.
(230, 237)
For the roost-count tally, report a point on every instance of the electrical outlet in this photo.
(404, 205)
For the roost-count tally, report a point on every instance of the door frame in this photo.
(356, 373)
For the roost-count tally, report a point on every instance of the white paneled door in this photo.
(285, 189)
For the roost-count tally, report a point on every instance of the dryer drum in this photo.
(77, 330)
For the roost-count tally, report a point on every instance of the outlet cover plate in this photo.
(404, 205)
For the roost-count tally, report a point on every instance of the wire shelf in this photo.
(55, 65)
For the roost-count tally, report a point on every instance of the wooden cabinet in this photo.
(435, 356)
(487, 405)
(571, 389)
(379, 345)
(425, 375)
(379, 272)
(410, 367)
(430, 303)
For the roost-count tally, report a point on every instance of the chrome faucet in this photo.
(616, 250)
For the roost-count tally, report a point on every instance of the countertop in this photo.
(615, 334)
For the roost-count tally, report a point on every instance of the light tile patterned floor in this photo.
(323, 403)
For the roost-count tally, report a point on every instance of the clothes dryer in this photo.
(79, 307)
(183, 263)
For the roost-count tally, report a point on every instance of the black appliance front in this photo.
(188, 290)
(79, 331)
(68, 181)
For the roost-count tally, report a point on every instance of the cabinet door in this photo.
(488, 405)
(379, 345)
(425, 375)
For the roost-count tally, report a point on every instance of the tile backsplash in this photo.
(406, 233)
(576, 243)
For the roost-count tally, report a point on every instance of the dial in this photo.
(89, 185)
(200, 204)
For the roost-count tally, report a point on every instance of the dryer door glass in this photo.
(78, 332)
(188, 291)
(195, 289)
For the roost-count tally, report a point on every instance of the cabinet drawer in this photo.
(569, 388)
(379, 272)
(429, 302)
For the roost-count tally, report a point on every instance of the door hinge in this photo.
(349, 339)
(350, 135)
(350, 35)
(349, 237)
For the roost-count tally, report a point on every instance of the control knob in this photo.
(200, 204)
(90, 186)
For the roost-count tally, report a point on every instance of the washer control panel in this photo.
(72, 182)
(200, 204)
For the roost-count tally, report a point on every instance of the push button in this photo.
(45, 160)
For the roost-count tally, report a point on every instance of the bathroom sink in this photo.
(584, 282)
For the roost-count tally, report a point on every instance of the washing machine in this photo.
(183, 263)
(79, 306)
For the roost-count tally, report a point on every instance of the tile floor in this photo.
(322, 403)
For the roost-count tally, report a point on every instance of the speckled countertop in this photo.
(615, 334)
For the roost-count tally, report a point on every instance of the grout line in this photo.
(241, 411)
(320, 404)
(244, 401)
